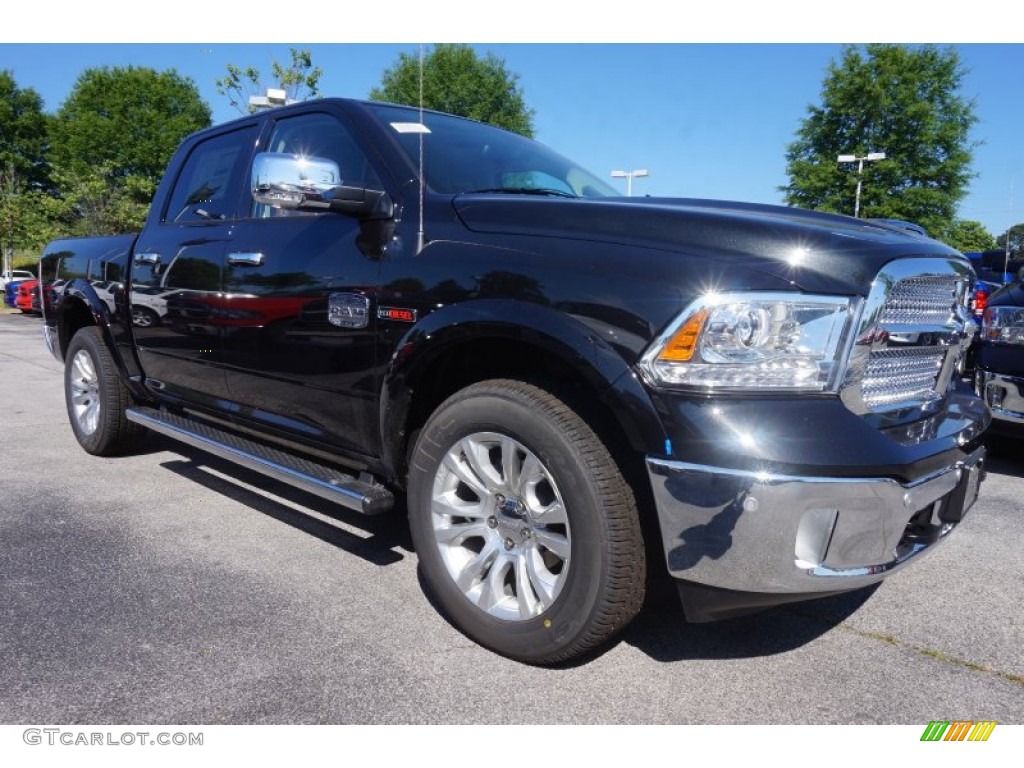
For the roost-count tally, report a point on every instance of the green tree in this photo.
(904, 101)
(23, 132)
(29, 218)
(300, 81)
(458, 81)
(24, 173)
(969, 236)
(102, 202)
(1016, 234)
(113, 138)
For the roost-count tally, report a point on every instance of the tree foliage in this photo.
(901, 100)
(969, 236)
(130, 119)
(458, 81)
(1016, 235)
(113, 138)
(24, 172)
(28, 217)
(23, 133)
(300, 80)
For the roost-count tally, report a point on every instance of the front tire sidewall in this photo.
(560, 626)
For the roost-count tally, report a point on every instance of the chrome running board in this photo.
(328, 483)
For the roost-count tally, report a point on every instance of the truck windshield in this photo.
(461, 155)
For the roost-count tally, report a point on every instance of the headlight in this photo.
(742, 341)
(1005, 324)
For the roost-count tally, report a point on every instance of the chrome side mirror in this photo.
(283, 180)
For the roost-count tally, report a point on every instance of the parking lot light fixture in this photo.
(276, 97)
(869, 157)
(629, 176)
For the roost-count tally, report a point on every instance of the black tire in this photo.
(97, 398)
(585, 597)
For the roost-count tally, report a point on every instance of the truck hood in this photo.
(815, 252)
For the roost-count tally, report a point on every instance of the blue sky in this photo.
(707, 120)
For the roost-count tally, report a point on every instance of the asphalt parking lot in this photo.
(170, 587)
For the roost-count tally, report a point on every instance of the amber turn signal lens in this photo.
(683, 343)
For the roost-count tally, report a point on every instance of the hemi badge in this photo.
(396, 313)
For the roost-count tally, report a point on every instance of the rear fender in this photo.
(79, 305)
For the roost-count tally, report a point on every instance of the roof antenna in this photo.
(420, 237)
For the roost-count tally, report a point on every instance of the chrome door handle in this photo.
(147, 257)
(245, 259)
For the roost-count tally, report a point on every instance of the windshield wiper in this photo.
(545, 191)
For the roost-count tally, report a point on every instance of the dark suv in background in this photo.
(999, 356)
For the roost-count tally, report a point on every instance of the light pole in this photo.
(629, 176)
(870, 156)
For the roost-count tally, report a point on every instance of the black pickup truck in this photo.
(375, 302)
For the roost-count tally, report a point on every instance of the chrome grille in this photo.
(924, 300)
(902, 375)
(913, 327)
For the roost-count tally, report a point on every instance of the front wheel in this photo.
(526, 531)
(97, 398)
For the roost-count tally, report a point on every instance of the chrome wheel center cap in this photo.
(512, 521)
(512, 509)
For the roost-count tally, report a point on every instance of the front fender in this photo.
(552, 331)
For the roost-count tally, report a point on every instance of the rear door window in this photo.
(210, 184)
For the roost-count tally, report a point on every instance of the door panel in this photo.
(176, 297)
(299, 324)
(288, 365)
(178, 270)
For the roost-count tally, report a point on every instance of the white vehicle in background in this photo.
(15, 274)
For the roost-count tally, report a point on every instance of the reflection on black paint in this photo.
(243, 277)
(194, 274)
(713, 539)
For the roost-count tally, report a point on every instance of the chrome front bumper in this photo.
(788, 535)
(1004, 395)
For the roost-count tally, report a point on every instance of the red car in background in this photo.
(27, 299)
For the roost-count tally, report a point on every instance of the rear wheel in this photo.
(97, 398)
(526, 532)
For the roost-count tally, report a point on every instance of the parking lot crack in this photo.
(927, 652)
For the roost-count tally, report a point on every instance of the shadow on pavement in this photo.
(388, 533)
(663, 633)
(660, 631)
(1005, 454)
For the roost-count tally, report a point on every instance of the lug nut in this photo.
(492, 522)
(525, 533)
(499, 498)
(509, 543)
